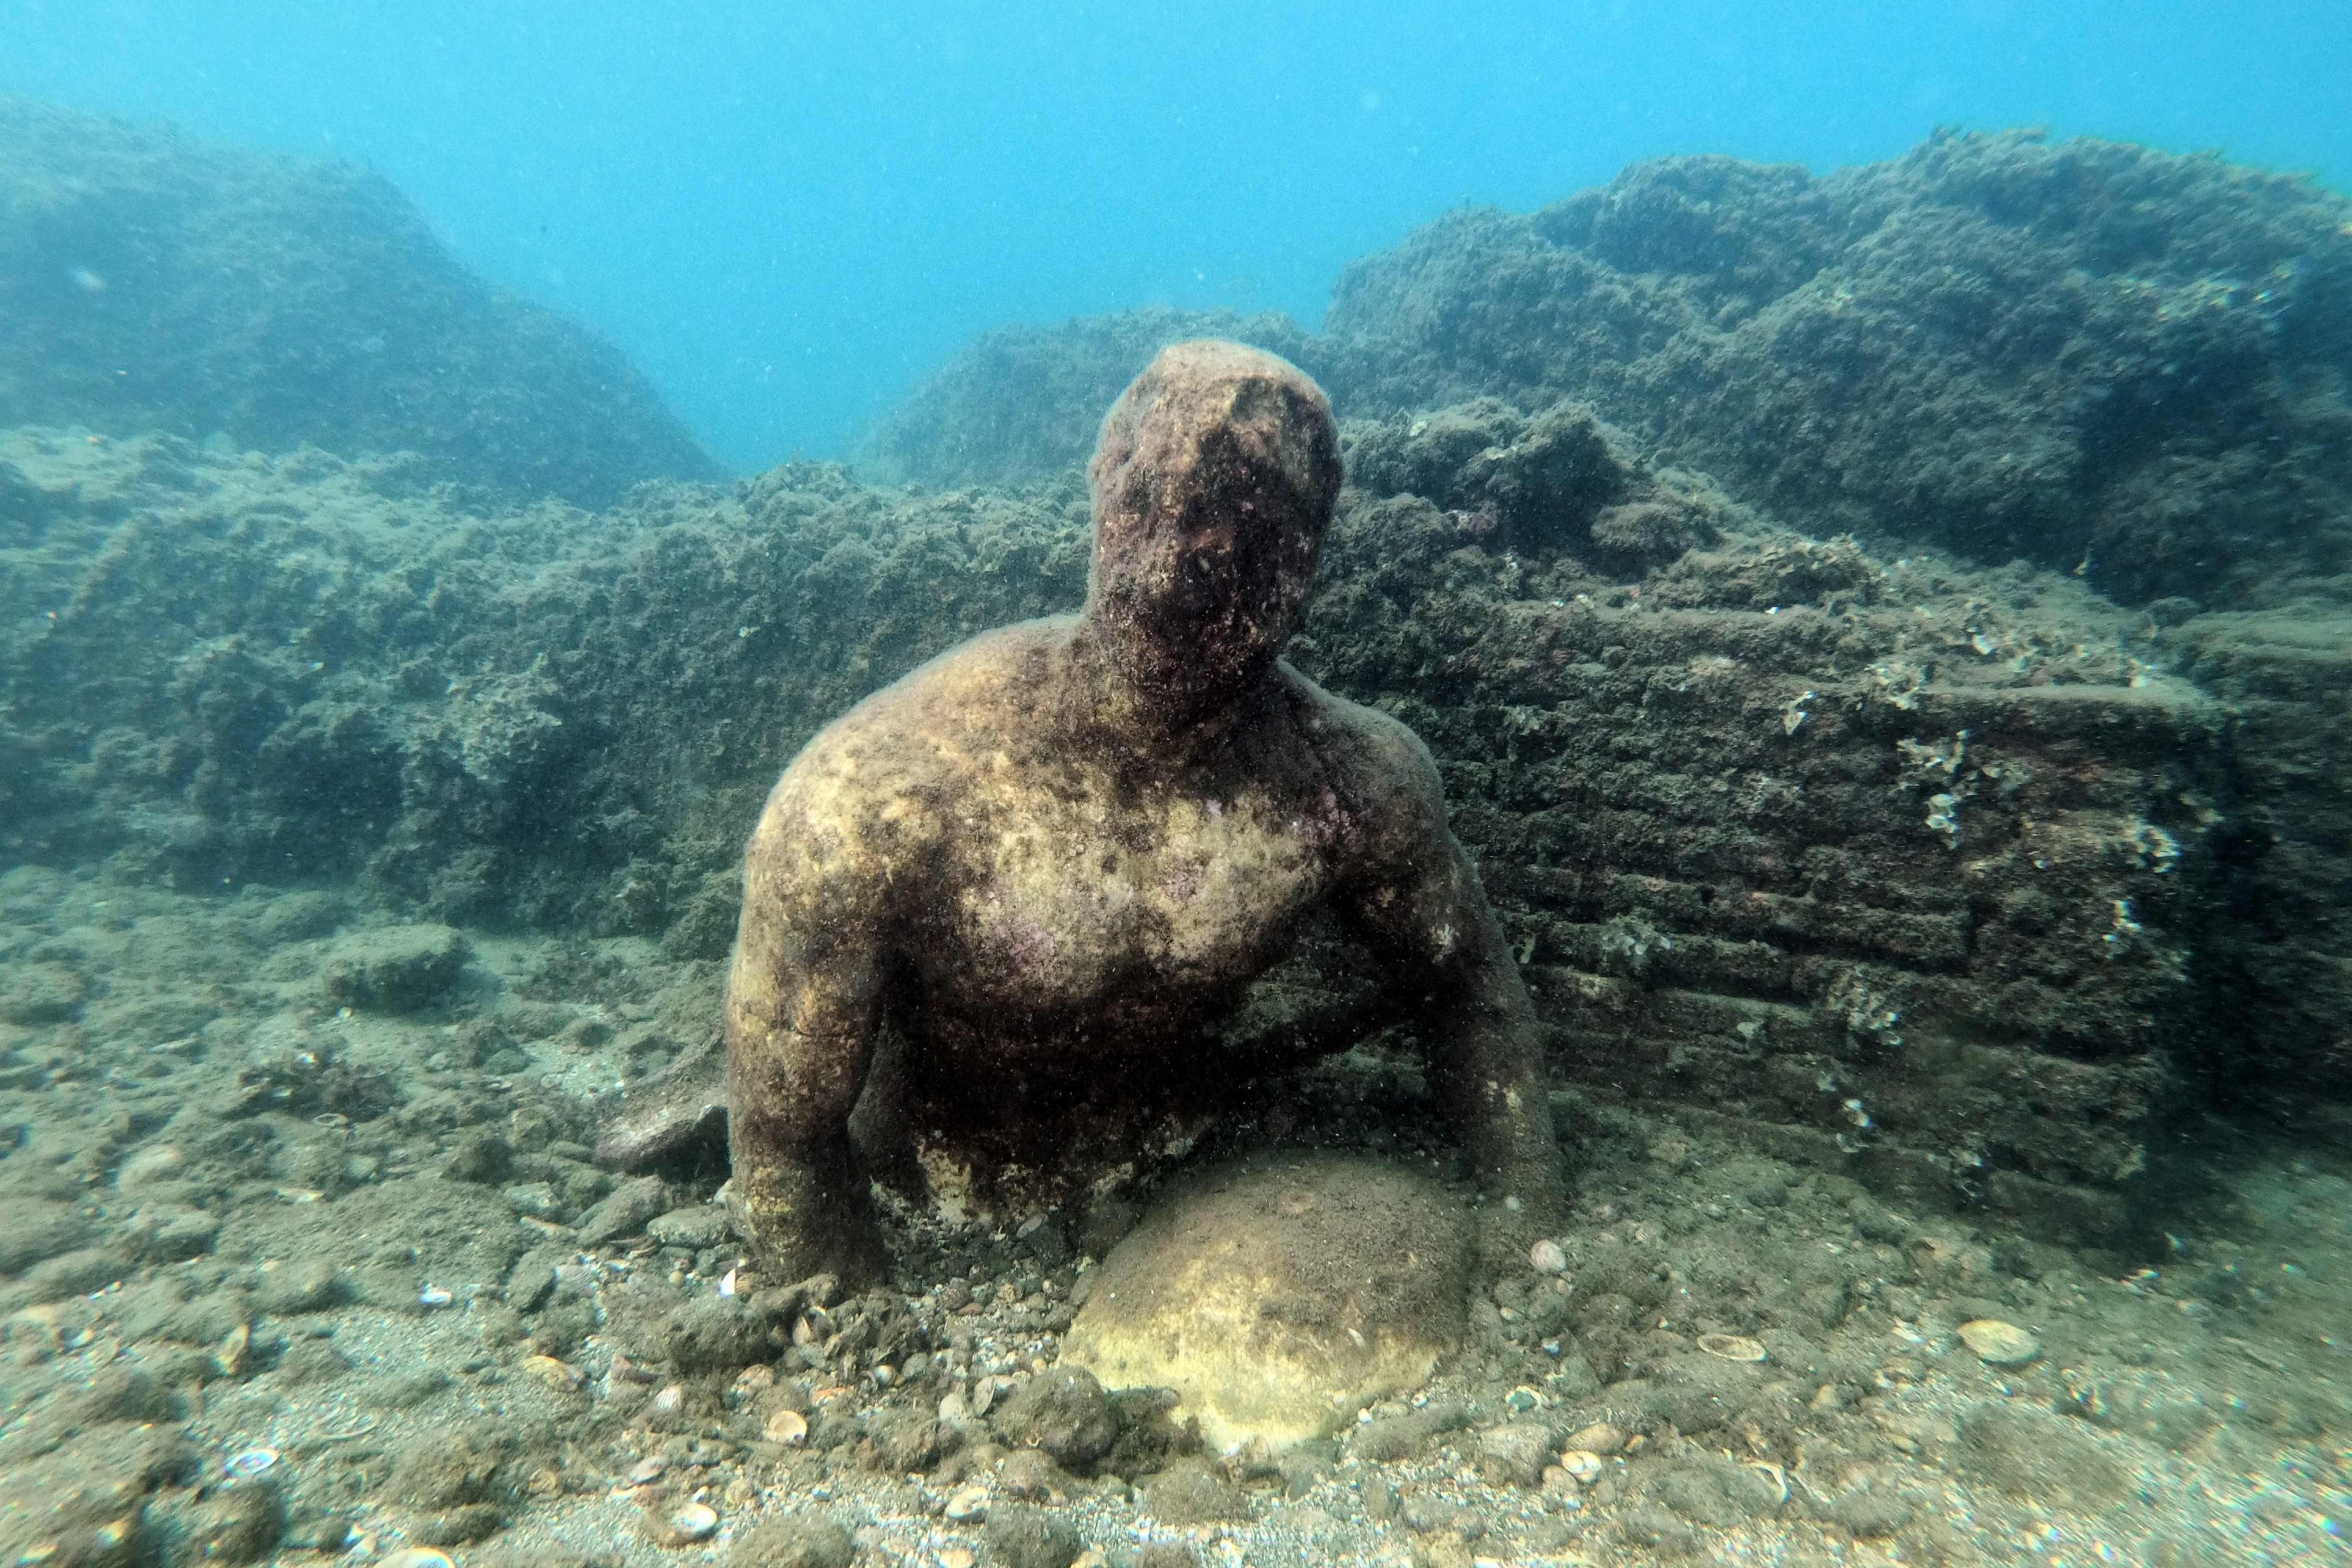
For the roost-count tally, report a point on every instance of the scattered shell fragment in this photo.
(233, 1354)
(433, 1296)
(669, 1401)
(1547, 1257)
(647, 1470)
(1998, 1344)
(247, 1463)
(967, 1504)
(1732, 1347)
(417, 1557)
(983, 1395)
(687, 1522)
(958, 1557)
(787, 1427)
(1583, 1465)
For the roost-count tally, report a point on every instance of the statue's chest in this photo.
(1075, 904)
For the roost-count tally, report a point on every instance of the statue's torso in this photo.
(1071, 899)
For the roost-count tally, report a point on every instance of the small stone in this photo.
(31, 1229)
(559, 1376)
(1515, 1454)
(1583, 1465)
(395, 969)
(1063, 1411)
(480, 1157)
(694, 1228)
(312, 1284)
(1998, 1344)
(1548, 1258)
(1191, 1492)
(1601, 1438)
(623, 1211)
(966, 1504)
(717, 1333)
(1021, 1536)
(796, 1540)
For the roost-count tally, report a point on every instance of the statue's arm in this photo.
(802, 1003)
(1418, 903)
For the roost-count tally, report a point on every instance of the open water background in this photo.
(787, 213)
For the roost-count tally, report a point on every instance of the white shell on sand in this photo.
(692, 1522)
(1281, 1296)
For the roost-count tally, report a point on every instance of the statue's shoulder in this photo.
(1374, 751)
(907, 737)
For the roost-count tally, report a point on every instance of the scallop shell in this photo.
(690, 1521)
(1732, 1347)
(247, 1463)
(789, 1427)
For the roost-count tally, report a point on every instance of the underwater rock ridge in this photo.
(130, 255)
(2095, 356)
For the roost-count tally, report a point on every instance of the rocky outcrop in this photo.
(151, 282)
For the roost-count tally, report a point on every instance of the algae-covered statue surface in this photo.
(1034, 870)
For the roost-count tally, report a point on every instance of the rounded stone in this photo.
(1281, 1296)
(1999, 1344)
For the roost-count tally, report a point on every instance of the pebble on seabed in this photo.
(1999, 1344)
(1548, 1258)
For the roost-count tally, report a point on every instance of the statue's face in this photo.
(1214, 476)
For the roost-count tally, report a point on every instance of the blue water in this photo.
(786, 213)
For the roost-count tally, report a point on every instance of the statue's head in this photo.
(1213, 477)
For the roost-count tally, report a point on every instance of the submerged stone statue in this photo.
(1021, 882)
